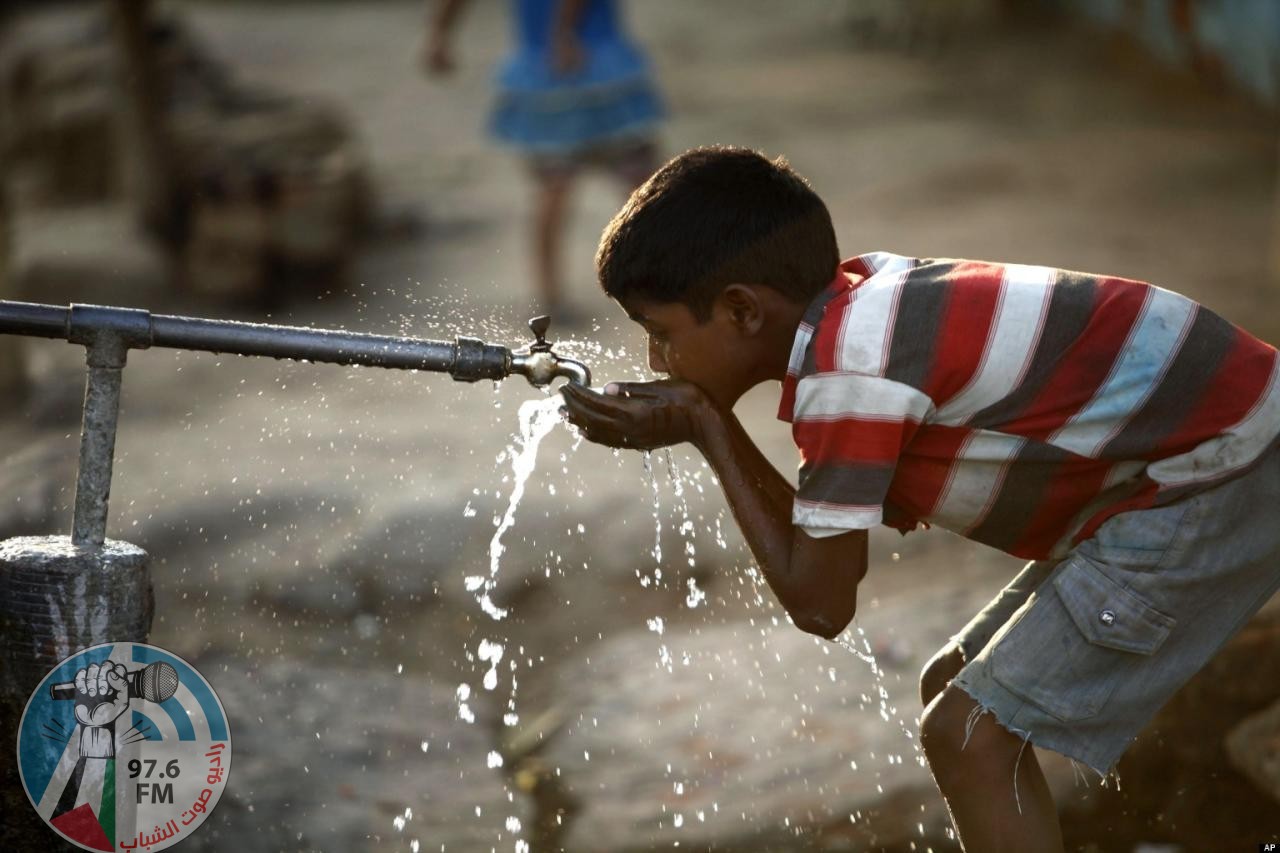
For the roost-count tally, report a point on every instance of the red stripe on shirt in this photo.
(965, 327)
(826, 338)
(925, 470)
(860, 440)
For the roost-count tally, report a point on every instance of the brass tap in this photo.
(540, 365)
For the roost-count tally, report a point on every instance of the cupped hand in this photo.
(639, 415)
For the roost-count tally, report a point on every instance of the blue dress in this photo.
(610, 99)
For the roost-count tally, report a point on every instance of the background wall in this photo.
(1237, 41)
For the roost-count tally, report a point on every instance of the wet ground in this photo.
(319, 521)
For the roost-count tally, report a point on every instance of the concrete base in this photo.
(55, 599)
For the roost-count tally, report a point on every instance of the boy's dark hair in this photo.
(717, 216)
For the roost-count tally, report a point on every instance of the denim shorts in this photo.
(1077, 655)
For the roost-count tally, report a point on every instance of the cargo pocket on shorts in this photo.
(1077, 641)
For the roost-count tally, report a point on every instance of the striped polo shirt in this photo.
(1019, 406)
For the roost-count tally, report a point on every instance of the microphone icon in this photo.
(156, 682)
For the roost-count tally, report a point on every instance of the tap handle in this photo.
(539, 325)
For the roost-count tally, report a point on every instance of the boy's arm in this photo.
(816, 580)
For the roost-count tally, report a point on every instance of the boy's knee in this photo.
(942, 726)
(959, 739)
(939, 671)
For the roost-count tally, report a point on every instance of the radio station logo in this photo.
(124, 746)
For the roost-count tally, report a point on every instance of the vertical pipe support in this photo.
(97, 450)
(107, 335)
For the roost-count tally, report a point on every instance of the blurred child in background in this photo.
(574, 93)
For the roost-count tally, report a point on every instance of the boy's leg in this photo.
(977, 778)
(993, 785)
(1103, 642)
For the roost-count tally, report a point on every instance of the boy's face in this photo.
(712, 355)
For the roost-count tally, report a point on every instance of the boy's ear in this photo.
(744, 307)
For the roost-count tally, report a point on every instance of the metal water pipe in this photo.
(109, 333)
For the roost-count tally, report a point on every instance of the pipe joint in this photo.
(477, 360)
(108, 333)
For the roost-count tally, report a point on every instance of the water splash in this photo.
(465, 713)
(657, 518)
(888, 712)
(696, 596)
(491, 652)
(682, 505)
(537, 419)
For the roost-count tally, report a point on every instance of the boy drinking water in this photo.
(1119, 436)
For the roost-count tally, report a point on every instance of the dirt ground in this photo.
(328, 516)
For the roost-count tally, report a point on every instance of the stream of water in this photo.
(537, 418)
